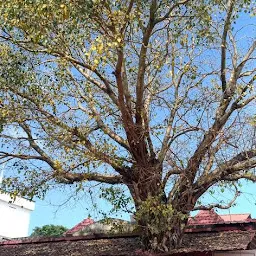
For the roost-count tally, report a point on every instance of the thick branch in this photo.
(20, 156)
(70, 178)
(222, 114)
(175, 171)
(59, 175)
(133, 138)
(236, 177)
(142, 64)
(227, 24)
(89, 99)
(33, 144)
(229, 170)
(74, 131)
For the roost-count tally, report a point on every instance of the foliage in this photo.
(159, 219)
(49, 231)
(117, 197)
(151, 99)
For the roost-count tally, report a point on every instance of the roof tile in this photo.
(205, 217)
(79, 226)
(236, 217)
(129, 245)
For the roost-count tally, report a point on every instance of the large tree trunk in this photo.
(161, 222)
(162, 234)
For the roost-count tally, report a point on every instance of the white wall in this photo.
(14, 216)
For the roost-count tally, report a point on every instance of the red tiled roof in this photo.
(205, 217)
(79, 226)
(236, 217)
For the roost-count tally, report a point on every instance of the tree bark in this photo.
(165, 236)
(160, 222)
(162, 225)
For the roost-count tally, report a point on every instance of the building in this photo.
(14, 216)
(108, 226)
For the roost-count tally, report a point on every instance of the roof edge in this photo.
(69, 238)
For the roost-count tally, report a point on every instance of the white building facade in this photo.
(14, 216)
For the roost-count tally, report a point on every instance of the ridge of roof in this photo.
(39, 240)
(234, 214)
(130, 245)
(78, 226)
(205, 217)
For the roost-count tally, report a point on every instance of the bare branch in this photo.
(89, 99)
(245, 59)
(106, 89)
(220, 206)
(166, 16)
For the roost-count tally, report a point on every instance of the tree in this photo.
(153, 95)
(48, 231)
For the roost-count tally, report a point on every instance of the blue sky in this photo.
(58, 209)
(76, 210)
(71, 213)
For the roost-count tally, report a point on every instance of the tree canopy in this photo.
(48, 231)
(157, 96)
